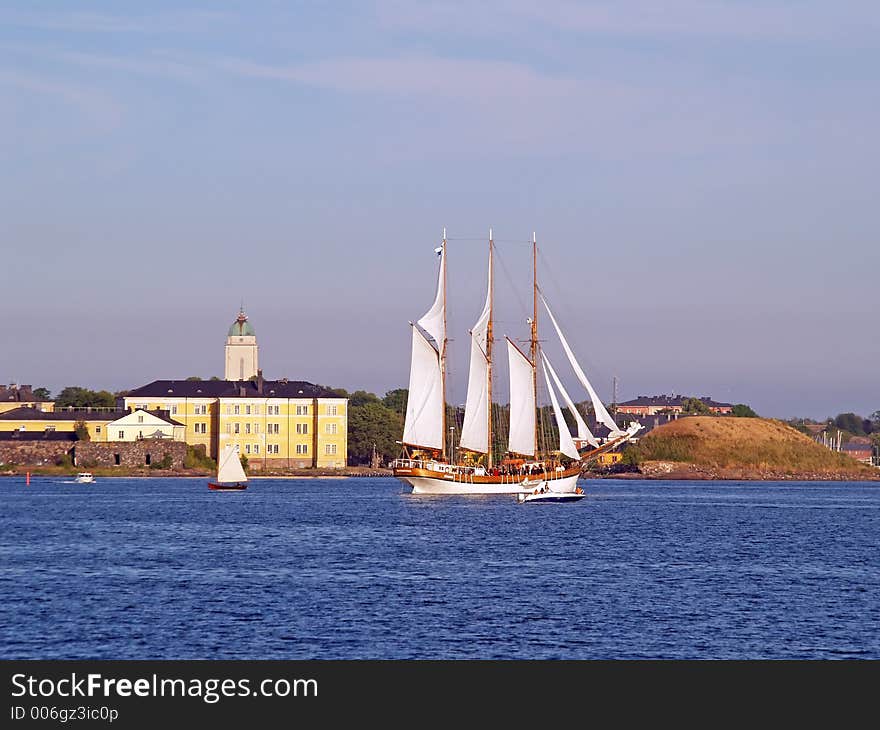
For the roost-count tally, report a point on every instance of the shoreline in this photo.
(694, 474)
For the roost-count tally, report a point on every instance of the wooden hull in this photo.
(226, 487)
(428, 481)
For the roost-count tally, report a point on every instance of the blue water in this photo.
(357, 568)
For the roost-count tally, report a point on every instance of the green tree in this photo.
(695, 407)
(244, 462)
(77, 397)
(194, 378)
(82, 431)
(42, 394)
(396, 400)
(851, 423)
(362, 398)
(741, 410)
(370, 423)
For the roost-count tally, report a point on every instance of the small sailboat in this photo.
(523, 469)
(230, 473)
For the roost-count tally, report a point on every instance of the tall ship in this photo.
(483, 463)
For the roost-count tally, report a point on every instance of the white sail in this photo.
(475, 429)
(522, 402)
(230, 469)
(602, 414)
(424, 407)
(584, 433)
(566, 445)
(432, 322)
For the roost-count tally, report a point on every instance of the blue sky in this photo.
(702, 177)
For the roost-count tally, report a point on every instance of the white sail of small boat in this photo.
(601, 412)
(230, 468)
(583, 431)
(475, 427)
(566, 445)
(230, 473)
(521, 439)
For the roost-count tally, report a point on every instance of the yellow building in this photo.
(276, 423)
(609, 458)
(102, 424)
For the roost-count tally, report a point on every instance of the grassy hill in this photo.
(741, 448)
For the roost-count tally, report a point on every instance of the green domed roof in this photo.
(241, 327)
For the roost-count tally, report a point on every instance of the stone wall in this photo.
(33, 453)
(131, 454)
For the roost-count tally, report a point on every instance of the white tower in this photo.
(241, 349)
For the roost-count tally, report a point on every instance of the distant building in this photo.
(15, 396)
(861, 450)
(609, 458)
(102, 424)
(651, 405)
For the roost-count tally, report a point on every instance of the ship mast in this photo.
(533, 349)
(443, 454)
(489, 359)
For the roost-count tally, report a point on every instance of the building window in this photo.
(331, 410)
(273, 428)
(201, 428)
(97, 429)
(274, 410)
(256, 428)
(140, 419)
(256, 410)
(237, 410)
(256, 448)
(228, 428)
(121, 435)
(272, 448)
(329, 449)
(302, 428)
(236, 428)
(302, 410)
(247, 428)
(329, 428)
(173, 410)
(228, 410)
(247, 410)
(302, 448)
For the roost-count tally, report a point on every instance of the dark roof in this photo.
(19, 394)
(671, 400)
(230, 389)
(26, 413)
(857, 447)
(38, 436)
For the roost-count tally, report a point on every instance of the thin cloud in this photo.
(99, 108)
(437, 77)
(153, 63)
(79, 22)
(711, 18)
